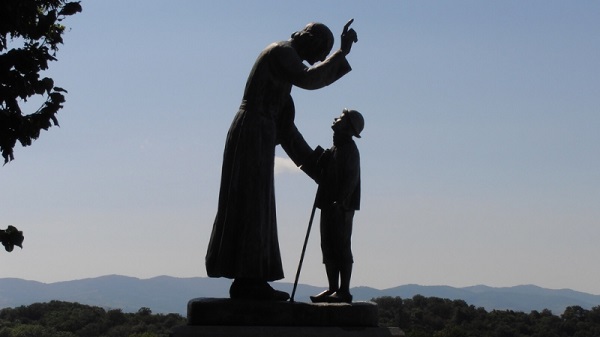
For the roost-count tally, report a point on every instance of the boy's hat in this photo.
(356, 121)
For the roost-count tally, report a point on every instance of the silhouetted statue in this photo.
(244, 244)
(338, 197)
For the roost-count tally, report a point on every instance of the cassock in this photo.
(243, 242)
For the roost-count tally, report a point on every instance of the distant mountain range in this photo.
(165, 294)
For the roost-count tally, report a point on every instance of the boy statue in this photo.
(338, 197)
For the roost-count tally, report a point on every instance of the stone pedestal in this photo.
(219, 317)
(283, 331)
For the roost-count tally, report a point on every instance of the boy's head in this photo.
(350, 122)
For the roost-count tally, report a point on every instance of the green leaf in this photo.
(48, 84)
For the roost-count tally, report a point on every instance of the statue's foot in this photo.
(322, 297)
(278, 295)
(340, 297)
(255, 290)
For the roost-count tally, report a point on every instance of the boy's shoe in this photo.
(340, 297)
(322, 297)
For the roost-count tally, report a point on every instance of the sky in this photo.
(480, 154)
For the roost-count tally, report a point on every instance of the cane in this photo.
(312, 215)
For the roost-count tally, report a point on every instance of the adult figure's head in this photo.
(313, 43)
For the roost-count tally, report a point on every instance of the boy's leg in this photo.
(327, 247)
(345, 274)
(333, 279)
(333, 274)
(345, 258)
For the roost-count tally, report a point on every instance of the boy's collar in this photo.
(341, 138)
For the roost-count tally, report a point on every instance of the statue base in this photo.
(283, 331)
(220, 317)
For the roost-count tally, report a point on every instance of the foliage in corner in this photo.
(30, 33)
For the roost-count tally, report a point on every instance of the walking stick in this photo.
(312, 215)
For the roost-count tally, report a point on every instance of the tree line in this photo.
(65, 319)
(436, 317)
(418, 317)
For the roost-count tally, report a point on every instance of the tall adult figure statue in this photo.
(244, 245)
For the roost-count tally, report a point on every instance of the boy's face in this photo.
(342, 125)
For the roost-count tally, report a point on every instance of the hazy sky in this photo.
(480, 154)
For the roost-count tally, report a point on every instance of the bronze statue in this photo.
(244, 244)
(338, 197)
